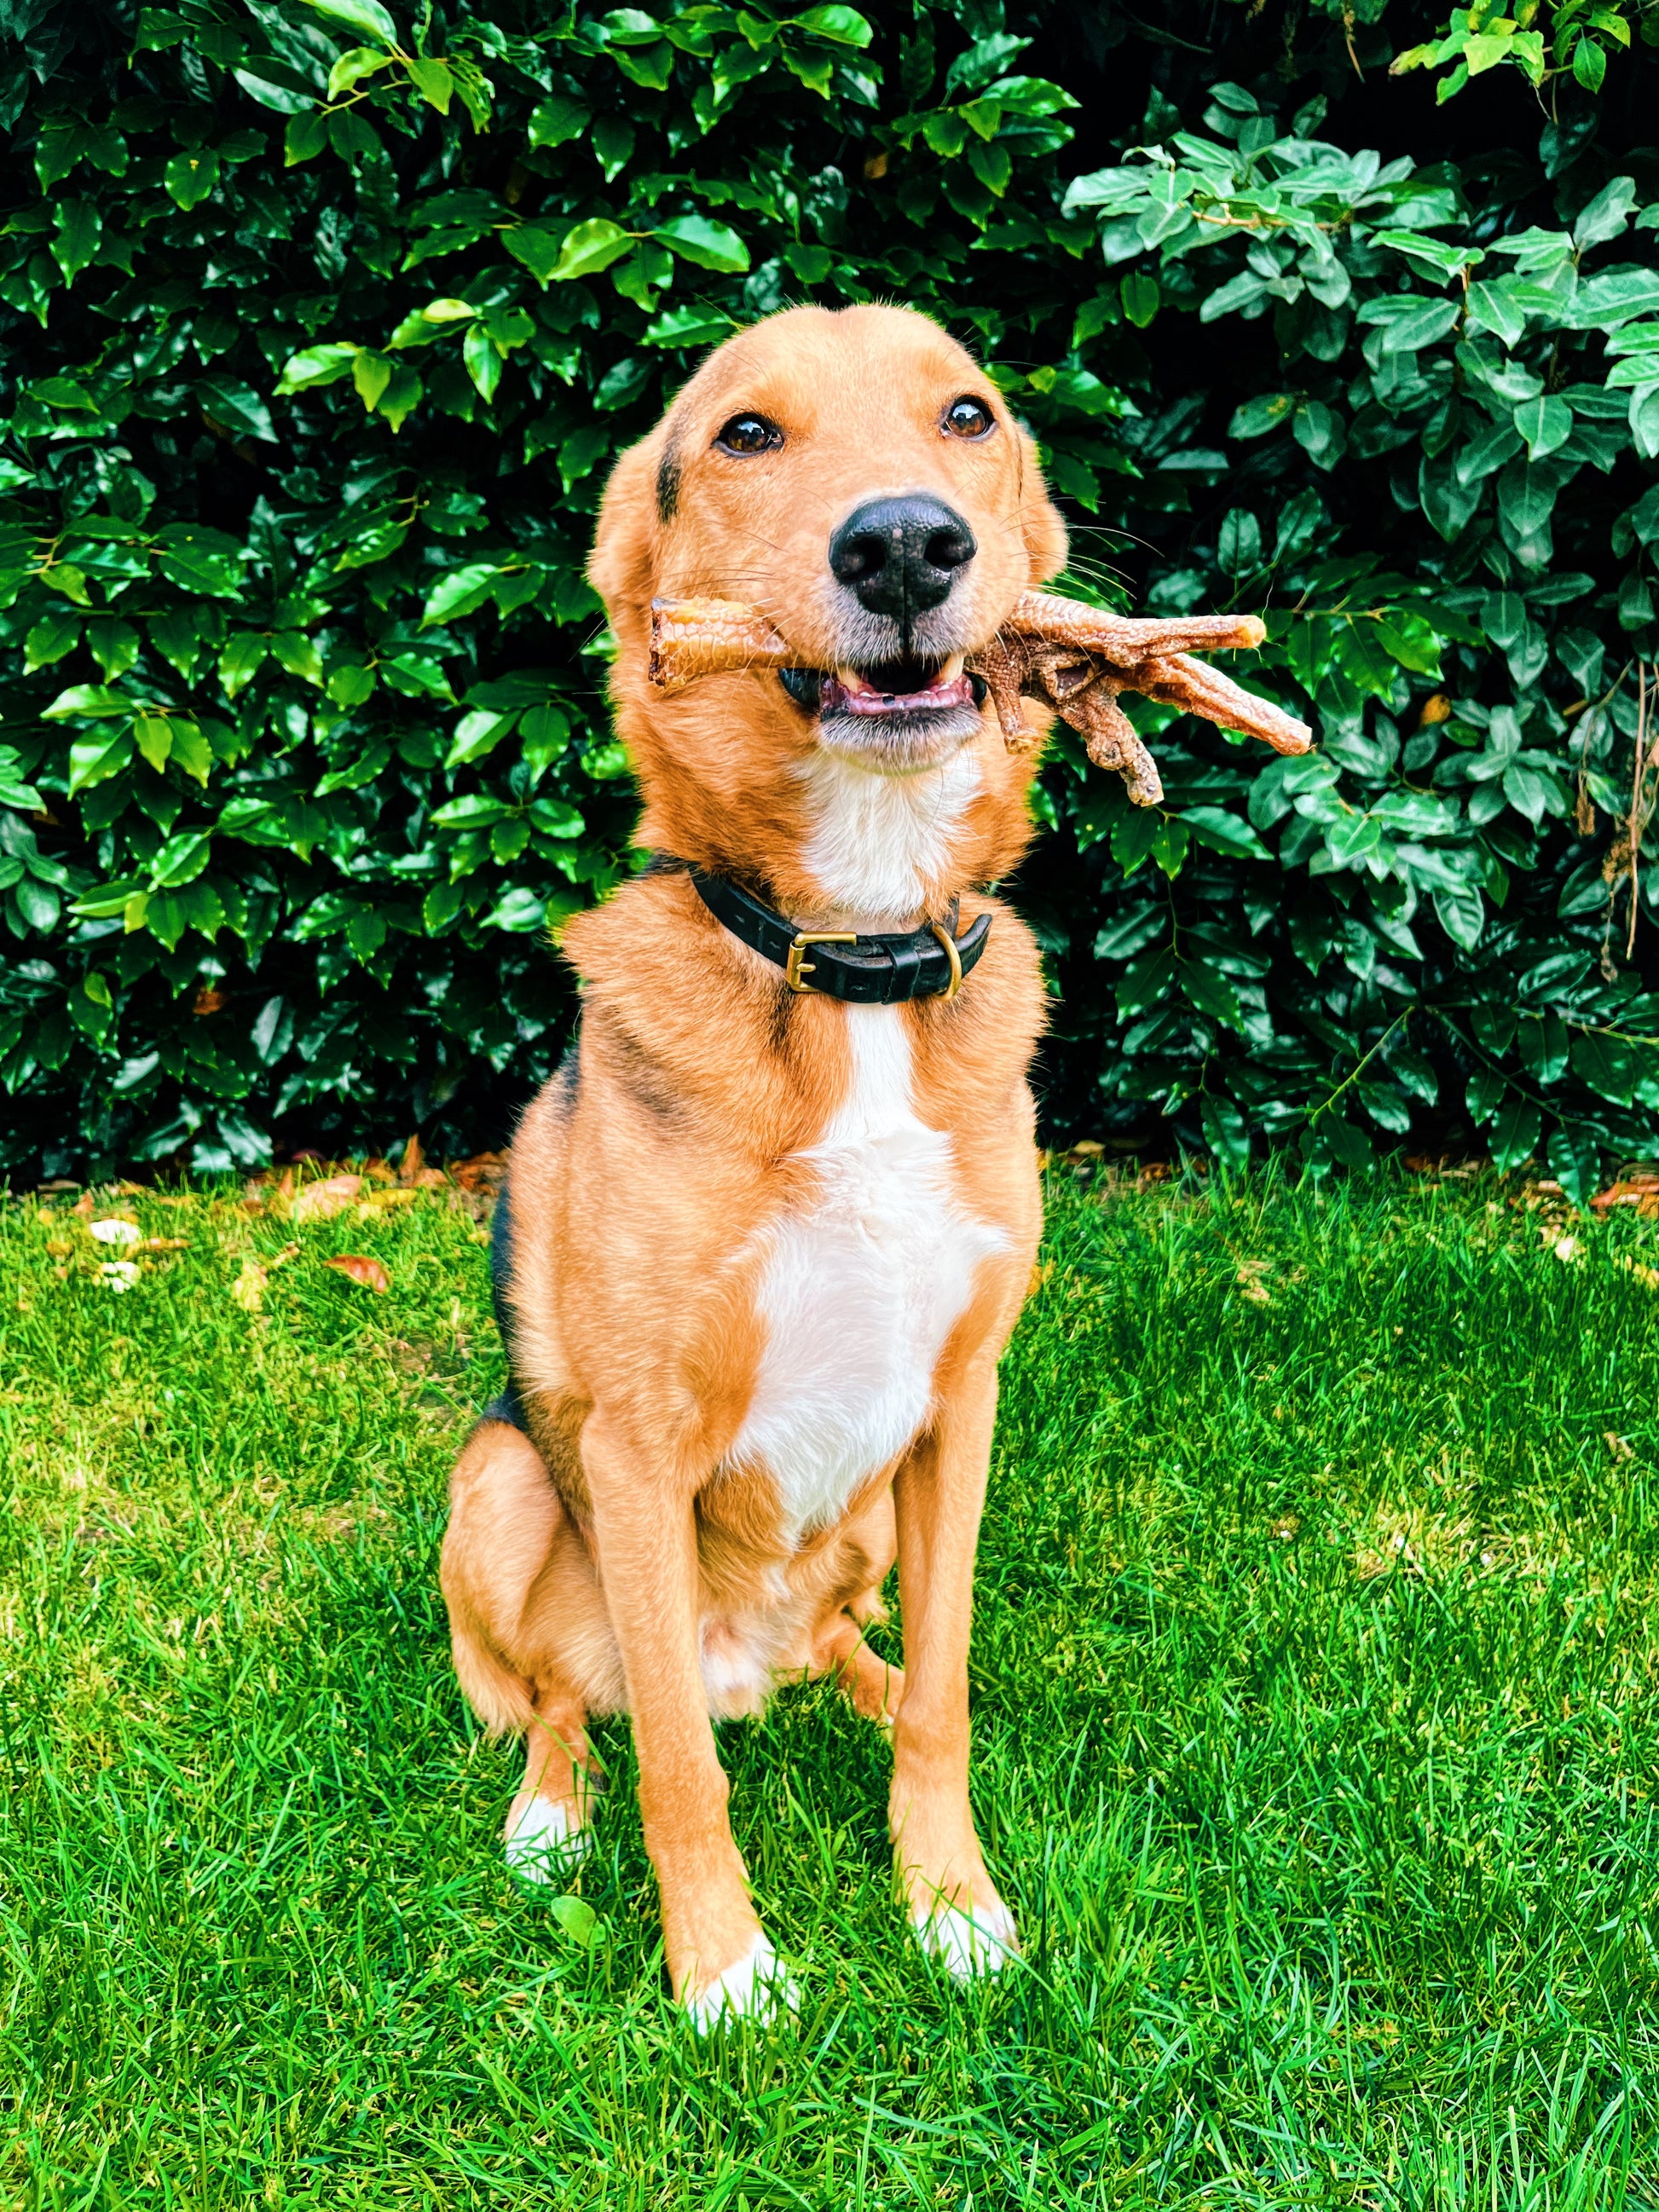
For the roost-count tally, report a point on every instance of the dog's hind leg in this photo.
(840, 1646)
(864, 1678)
(529, 1635)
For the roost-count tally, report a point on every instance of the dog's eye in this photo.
(748, 434)
(969, 418)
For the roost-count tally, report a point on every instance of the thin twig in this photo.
(1360, 1068)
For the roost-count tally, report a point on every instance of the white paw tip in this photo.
(753, 1987)
(546, 1842)
(967, 1943)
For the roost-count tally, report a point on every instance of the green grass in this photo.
(1316, 1731)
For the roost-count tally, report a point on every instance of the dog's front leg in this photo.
(940, 1493)
(645, 1538)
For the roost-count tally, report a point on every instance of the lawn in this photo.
(1316, 1714)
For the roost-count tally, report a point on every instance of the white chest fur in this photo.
(876, 839)
(859, 1290)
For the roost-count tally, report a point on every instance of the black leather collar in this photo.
(870, 971)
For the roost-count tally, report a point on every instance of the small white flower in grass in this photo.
(114, 1231)
(119, 1274)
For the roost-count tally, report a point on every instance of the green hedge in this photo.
(322, 323)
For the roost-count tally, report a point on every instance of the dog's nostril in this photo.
(900, 556)
(864, 555)
(952, 549)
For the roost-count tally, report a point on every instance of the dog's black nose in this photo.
(900, 556)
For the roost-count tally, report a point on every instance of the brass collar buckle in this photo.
(794, 967)
(949, 942)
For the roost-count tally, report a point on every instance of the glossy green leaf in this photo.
(709, 245)
(589, 248)
(86, 699)
(844, 26)
(557, 120)
(190, 177)
(367, 17)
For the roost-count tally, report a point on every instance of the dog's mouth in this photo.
(893, 692)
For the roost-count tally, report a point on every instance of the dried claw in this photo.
(1078, 658)
(1127, 641)
(1111, 741)
(1181, 682)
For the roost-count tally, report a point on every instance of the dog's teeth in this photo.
(951, 670)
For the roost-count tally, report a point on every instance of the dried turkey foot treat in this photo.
(1071, 658)
(692, 638)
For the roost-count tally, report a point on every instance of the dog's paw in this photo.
(967, 1943)
(545, 1843)
(755, 1987)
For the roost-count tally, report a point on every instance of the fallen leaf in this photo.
(164, 1244)
(485, 1171)
(414, 1172)
(248, 1291)
(1567, 1249)
(378, 1201)
(1648, 1277)
(208, 1000)
(114, 1231)
(1251, 1288)
(321, 1201)
(1641, 1191)
(119, 1274)
(369, 1272)
(578, 1921)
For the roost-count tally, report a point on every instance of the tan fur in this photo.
(604, 1565)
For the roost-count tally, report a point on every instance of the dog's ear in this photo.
(622, 568)
(1039, 518)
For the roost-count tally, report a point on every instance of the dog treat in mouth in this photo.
(1073, 658)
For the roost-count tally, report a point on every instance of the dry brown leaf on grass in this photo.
(321, 1201)
(485, 1171)
(1640, 1190)
(413, 1172)
(360, 1269)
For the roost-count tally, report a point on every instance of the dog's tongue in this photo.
(850, 692)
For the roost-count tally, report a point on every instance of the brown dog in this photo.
(765, 1246)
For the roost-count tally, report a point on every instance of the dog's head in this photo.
(856, 478)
